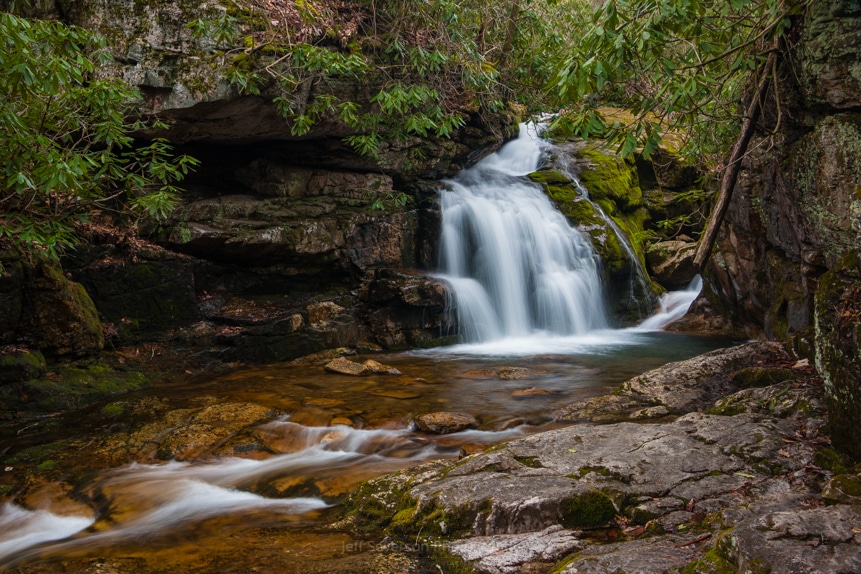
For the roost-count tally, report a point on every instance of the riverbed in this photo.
(250, 468)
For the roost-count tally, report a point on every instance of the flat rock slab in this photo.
(510, 554)
(571, 481)
(677, 388)
(793, 539)
(657, 555)
(734, 489)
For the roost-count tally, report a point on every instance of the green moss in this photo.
(113, 410)
(591, 509)
(762, 377)
(712, 562)
(549, 177)
(719, 559)
(832, 460)
(376, 503)
(69, 388)
(848, 484)
(612, 178)
(439, 522)
(403, 520)
(446, 561)
(47, 465)
(727, 410)
(530, 461)
(21, 366)
(40, 453)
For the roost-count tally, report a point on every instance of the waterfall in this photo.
(514, 263)
(515, 266)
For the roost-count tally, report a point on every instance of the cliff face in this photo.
(280, 247)
(787, 260)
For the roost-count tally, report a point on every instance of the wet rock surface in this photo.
(445, 423)
(685, 386)
(344, 366)
(734, 484)
(671, 263)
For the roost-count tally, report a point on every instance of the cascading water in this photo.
(514, 263)
(515, 266)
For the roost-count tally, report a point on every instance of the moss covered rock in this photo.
(838, 350)
(824, 170)
(58, 316)
(671, 263)
(830, 72)
(66, 388)
(607, 176)
(617, 266)
(21, 365)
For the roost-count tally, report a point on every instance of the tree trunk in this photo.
(707, 241)
(510, 33)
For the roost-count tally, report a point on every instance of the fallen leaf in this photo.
(782, 452)
(745, 475)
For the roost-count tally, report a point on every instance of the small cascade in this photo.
(514, 263)
(148, 501)
(672, 306)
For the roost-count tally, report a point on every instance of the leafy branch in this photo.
(64, 138)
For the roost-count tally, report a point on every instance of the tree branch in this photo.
(730, 176)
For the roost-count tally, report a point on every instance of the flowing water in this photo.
(513, 261)
(261, 494)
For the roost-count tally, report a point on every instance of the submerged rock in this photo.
(445, 422)
(517, 373)
(344, 366)
(377, 367)
(532, 392)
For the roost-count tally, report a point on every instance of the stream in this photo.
(246, 471)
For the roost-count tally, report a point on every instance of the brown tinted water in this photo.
(245, 472)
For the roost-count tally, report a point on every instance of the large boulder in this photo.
(781, 263)
(671, 263)
(838, 350)
(58, 316)
(408, 309)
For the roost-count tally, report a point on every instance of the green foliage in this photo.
(436, 61)
(64, 139)
(678, 64)
(390, 201)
